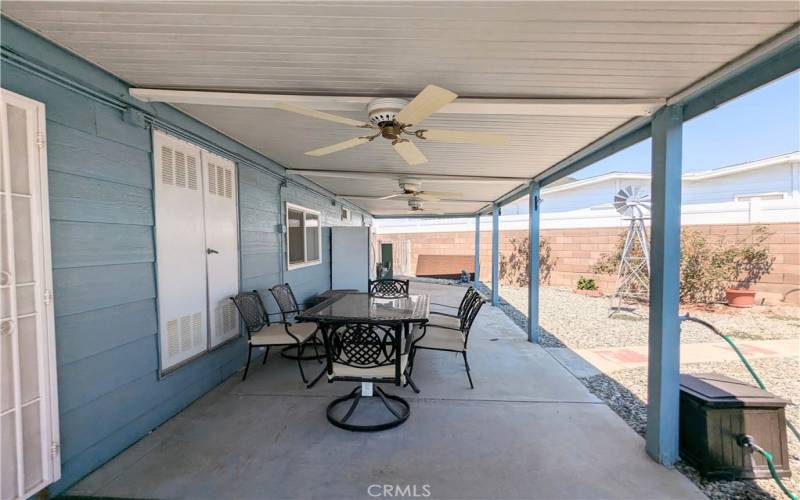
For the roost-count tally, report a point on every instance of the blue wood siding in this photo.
(100, 182)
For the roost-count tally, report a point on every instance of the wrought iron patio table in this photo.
(360, 308)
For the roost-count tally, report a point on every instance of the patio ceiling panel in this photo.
(525, 50)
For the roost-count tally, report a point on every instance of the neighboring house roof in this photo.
(688, 177)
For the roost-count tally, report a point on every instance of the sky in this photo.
(759, 124)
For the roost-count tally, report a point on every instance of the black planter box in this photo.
(714, 411)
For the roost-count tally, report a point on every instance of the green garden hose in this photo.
(747, 441)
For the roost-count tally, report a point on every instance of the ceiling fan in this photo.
(415, 207)
(412, 190)
(394, 118)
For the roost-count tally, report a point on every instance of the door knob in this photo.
(209, 251)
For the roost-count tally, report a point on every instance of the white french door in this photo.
(222, 242)
(29, 439)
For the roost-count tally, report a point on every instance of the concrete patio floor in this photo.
(529, 429)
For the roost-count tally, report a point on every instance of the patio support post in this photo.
(663, 381)
(534, 218)
(477, 277)
(495, 255)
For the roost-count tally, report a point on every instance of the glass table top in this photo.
(360, 307)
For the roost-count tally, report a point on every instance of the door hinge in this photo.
(48, 297)
(40, 140)
(54, 447)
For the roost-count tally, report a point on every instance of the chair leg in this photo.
(411, 383)
(466, 363)
(300, 363)
(316, 350)
(247, 366)
(266, 353)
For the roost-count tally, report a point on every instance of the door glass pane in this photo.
(6, 368)
(296, 237)
(23, 244)
(29, 352)
(312, 237)
(18, 150)
(8, 449)
(32, 444)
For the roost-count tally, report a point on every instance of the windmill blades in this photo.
(313, 113)
(410, 153)
(427, 102)
(349, 143)
(460, 137)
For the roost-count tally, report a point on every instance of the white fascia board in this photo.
(625, 108)
(345, 174)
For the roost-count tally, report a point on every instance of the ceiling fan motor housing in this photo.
(383, 112)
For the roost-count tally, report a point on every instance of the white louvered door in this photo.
(29, 440)
(180, 250)
(222, 259)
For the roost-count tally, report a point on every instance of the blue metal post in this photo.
(495, 255)
(533, 262)
(663, 382)
(477, 277)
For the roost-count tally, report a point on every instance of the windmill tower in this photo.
(633, 276)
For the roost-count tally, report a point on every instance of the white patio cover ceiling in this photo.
(578, 70)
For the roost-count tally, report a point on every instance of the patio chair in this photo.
(442, 338)
(370, 354)
(453, 319)
(449, 308)
(388, 288)
(260, 333)
(287, 303)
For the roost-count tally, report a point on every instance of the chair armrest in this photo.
(445, 314)
(444, 305)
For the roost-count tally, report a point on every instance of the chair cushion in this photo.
(445, 321)
(437, 308)
(276, 334)
(386, 371)
(442, 338)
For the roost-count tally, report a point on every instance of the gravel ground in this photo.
(577, 321)
(626, 393)
(592, 327)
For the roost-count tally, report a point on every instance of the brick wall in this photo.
(576, 250)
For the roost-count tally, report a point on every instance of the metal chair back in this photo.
(466, 300)
(252, 311)
(388, 288)
(365, 345)
(469, 316)
(286, 301)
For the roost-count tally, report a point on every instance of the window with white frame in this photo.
(303, 236)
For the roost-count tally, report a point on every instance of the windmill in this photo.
(633, 276)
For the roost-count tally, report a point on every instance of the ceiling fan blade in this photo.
(444, 194)
(410, 153)
(313, 113)
(424, 196)
(396, 195)
(459, 137)
(349, 143)
(427, 102)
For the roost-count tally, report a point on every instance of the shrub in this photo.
(706, 270)
(586, 284)
(514, 267)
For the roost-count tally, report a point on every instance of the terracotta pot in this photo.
(740, 297)
(590, 293)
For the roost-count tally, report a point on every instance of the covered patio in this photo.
(529, 429)
(163, 157)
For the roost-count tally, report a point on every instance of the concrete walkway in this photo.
(612, 359)
(529, 429)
